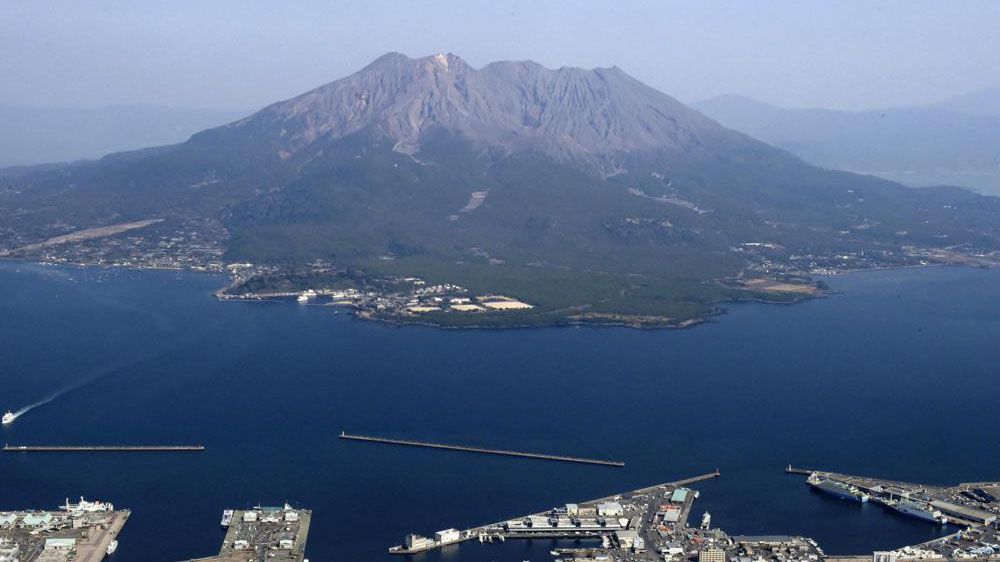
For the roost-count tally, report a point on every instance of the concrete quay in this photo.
(100, 448)
(478, 450)
(601, 517)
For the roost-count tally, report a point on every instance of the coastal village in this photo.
(408, 297)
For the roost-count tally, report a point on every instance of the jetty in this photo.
(100, 448)
(604, 518)
(479, 450)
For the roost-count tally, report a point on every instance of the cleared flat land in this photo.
(90, 234)
(779, 287)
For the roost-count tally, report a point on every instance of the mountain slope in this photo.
(582, 191)
(918, 145)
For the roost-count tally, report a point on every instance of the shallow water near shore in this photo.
(894, 377)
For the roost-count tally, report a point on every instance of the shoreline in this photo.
(569, 322)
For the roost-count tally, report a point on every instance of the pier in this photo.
(483, 451)
(792, 470)
(100, 448)
(695, 479)
(587, 521)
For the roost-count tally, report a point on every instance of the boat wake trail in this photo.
(53, 396)
(99, 373)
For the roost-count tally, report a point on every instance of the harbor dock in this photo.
(273, 534)
(484, 451)
(968, 505)
(696, 479)
(598, 518)
(74, 532)
(100, 448)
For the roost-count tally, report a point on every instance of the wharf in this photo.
(484, 451)
(100, 448)
(947, 499)
(274, 534)
(95, 547)
(498, 531)
(85, 531)
(696, 479)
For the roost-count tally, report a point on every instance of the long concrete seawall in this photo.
(100, 448)
(484, 451)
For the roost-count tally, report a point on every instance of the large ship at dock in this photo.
(919, 510)
(836, 488)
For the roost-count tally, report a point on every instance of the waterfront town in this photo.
(657, 524)
(652, 524)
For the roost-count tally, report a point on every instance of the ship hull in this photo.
(836, 491)
(918, 513)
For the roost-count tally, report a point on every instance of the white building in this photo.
(60, 544)
(610, 509)
(447, 536)
(626, 538)
(416, 542)
(883, 556)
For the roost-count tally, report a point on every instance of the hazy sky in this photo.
(243, 54)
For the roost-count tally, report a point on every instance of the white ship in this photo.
(919, 510)
(227, 517)
(87, 507)
(112, 547)
(706, 521)
(8, 417)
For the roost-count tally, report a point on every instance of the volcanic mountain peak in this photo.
(572, 114)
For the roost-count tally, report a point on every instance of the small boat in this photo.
(227, 517)
(8, 417)
(112, 547)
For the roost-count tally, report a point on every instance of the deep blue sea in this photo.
(896, 376)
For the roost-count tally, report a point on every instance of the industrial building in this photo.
(417, 542)
(84, 531)
(978, 516)
(610, 509)
(447, 536)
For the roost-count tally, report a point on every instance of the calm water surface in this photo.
(895, 377)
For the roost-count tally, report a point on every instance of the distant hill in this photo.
(983, 102)
(934, 145)
(585, 192)
(36, 135)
